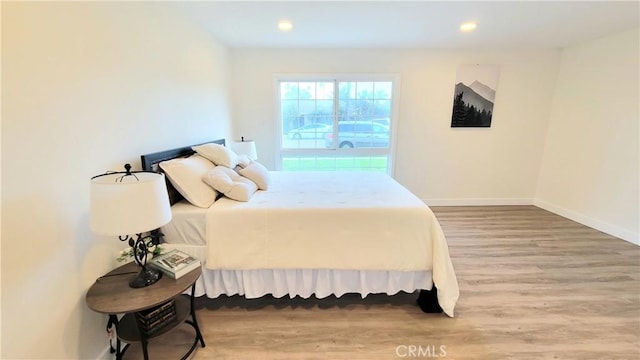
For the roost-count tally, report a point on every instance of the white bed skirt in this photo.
(306, 282)
(302, 282)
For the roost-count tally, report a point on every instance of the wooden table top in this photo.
(111, 294)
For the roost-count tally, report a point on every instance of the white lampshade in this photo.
(130, 206)
(246, 147)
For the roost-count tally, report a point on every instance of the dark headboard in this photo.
(150, 163)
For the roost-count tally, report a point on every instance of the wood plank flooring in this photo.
(533, 285)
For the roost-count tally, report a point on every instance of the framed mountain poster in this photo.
(474, 95)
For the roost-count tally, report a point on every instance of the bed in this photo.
(312, 234)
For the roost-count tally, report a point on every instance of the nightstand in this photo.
(111, 295)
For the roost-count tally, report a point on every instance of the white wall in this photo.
(442, 165)
(86, 87)
(590, 168)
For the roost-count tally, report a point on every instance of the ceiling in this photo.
(412, 24)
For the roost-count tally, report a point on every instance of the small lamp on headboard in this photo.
(128, 203)
(245, 147)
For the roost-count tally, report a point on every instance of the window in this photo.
(336, 124)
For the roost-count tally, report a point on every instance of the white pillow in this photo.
(257, 173)
(217, 154)
(186, 176)
(244, 160)
(230, 183)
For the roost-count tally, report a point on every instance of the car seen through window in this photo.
(359, 134)
(310, 131)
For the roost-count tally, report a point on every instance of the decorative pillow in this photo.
(230, 183)
(217, 154)
(185, 174)
(244, 160)
(257, 173)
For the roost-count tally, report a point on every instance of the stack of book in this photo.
(175, 263)
(155, 318)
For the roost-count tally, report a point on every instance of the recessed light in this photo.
(285, 25)
(468, 26)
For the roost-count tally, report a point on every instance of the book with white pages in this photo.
(175, 263)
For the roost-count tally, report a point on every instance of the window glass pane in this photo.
(366, 109)
(306, 120)
(307, 106)
(325, 107)
(382, 109)
(364, 90)
(307, 90)
(288, 90)
(325, 91)
(382, 90)
(347, 90)
(289, 115)
(346, 108)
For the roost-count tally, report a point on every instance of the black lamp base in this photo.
(145, 277)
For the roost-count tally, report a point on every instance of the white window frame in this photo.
(395, 101)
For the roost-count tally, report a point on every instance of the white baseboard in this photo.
(478, 202)
(607, 228)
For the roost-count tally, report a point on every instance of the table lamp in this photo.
(245, 147)
(132, 206)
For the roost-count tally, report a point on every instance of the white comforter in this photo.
(331, 220)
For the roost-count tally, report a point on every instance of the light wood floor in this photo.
(533, 285)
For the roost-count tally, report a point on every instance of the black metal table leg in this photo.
(113, 321)
(193, 316)
(144, 341)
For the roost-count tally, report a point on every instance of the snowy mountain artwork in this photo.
(474, 95)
